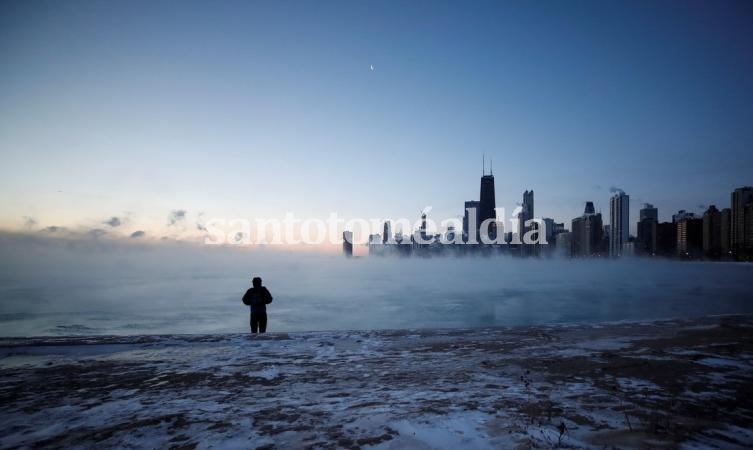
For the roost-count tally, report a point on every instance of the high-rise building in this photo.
(748, 231)
(487, 206)
(471, 207)
(649, 212)
(563, 244)
(526, 214)
(421, 237)
(348, 243)
(619, 216)
(689, 237)
(549, 229)
(552, 229)
(376, 245)
(586, 235)
(725, 231)
(712, 232)
(387, 233)
(666, 239)
(741, 197)
(646, 242)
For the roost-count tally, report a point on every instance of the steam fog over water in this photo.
(82, 288)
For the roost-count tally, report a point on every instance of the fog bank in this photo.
(60, 287)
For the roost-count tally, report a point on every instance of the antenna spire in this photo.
(491, 166)
(483, 164)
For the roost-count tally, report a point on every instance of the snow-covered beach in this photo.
(678, 383)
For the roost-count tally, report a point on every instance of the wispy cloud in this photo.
(53, 229)
(138, 234)
(200, 222)
(96, 233)
(29, 222)
(616, 190)
(176, 217)
(113, 221)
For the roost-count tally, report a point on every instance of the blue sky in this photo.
(249, 109)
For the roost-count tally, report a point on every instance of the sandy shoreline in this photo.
(679, 383)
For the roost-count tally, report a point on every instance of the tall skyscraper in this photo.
(712, 232)
(471, 207)
(586, 234)
(689, 237)
(619, 216)
(649, 219)
(422, 233)
(387, 233)
(740, 198)
(549, 231)
(348, 243)
(725, 231)
(666, 239)
(487, 205)
(748, 230)
(649, 212)
(526, 214)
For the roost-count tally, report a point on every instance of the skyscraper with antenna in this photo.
(487, 203)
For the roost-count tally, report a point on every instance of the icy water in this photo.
(75, 290)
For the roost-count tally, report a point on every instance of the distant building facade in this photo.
(387, 233)
(690, 238)
(471, 207)
(586, 234)
(725, 232)
(487, 205)
(619, 220)
(376, 246)
(741, 236)
(666, 239)
(348, 244)
(748, 231)
(712, 233)
(563, 244)
(645, 243)
(526, 214)
(548, 229)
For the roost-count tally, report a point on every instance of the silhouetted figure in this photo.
(258, 297)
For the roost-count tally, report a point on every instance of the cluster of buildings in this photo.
(725, 234)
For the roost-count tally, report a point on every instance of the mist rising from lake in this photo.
(67, 288)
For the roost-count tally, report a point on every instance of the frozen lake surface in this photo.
(675, 384)
(76, 289)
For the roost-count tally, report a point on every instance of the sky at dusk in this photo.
(135, 109)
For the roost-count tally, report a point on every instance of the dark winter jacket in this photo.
(257, 299)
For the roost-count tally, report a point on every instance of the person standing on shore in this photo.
(258, 297)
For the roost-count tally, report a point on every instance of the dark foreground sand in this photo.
(670, 384)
